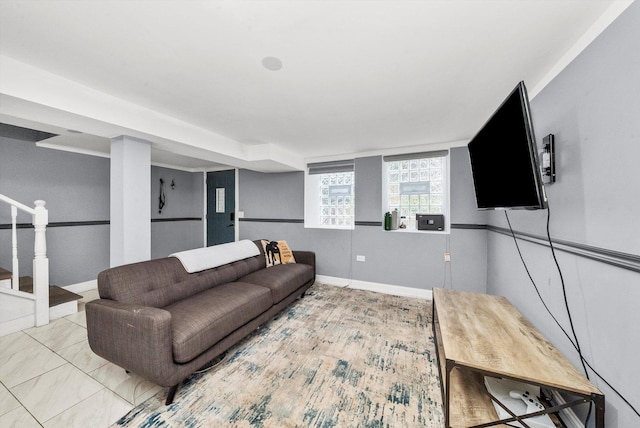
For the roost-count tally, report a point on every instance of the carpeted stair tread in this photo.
(57, 295)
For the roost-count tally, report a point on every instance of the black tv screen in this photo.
(504, 158)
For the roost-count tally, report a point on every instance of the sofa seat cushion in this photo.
(282, 280)
(200, 321)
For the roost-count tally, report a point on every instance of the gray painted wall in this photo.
(281, 196)
(593, 109)
(271, 195)
(368, 198)
(185, 201)
(76, 188)
(405, 259)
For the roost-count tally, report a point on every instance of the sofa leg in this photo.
(171, 394)
(303, 294)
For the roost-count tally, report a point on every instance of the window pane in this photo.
(416, 186)
(336, 204)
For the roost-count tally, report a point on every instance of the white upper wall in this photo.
(358, 77)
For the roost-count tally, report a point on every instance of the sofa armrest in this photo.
(306, 257)
(136, 338)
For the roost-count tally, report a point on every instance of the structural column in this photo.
(130, 200)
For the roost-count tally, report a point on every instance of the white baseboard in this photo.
(82, 286)
(395, 290)
(19, 324)
(63, 309)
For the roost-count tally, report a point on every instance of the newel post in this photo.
(41, 263)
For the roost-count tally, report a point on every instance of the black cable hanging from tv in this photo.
(583, 360)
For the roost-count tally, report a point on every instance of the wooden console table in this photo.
(480, 335)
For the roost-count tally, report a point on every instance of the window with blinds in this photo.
(329, 195)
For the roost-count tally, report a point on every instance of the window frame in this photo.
(313, 193)
(446, 188)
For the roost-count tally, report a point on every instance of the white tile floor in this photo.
(49, 377)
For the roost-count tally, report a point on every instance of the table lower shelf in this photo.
(469, 403)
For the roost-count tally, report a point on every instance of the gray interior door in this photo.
(221, 198)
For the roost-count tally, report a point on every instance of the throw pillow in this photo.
(277, 252)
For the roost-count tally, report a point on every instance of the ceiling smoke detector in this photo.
(271, 63)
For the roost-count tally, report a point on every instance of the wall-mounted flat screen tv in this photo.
(504, 158)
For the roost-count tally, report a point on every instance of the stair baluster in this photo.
(15, 271)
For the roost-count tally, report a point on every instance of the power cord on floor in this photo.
(583, 360)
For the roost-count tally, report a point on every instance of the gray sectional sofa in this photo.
(157, 320)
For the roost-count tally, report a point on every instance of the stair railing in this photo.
(40, 219)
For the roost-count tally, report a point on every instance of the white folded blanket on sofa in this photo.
(200, 259)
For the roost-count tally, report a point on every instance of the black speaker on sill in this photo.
(430, 221)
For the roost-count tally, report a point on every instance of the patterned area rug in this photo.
(336, 358)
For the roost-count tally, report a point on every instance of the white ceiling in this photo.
(358, 77)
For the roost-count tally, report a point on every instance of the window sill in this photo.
(437, 232)
(307, 226)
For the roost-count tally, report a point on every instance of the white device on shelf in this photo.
(521, 398)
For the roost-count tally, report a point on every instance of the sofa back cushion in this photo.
(122, 283)
(162, 282)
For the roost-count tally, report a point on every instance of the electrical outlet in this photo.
(360, 258)
(447, 257)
